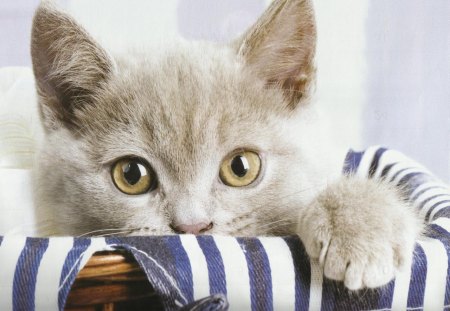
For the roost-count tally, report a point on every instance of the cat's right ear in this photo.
(69, 66)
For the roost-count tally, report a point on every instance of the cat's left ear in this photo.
(280, 48)
(69, 66)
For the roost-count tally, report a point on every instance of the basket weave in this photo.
(112, 281)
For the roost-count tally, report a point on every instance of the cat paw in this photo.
(361, 232)
(353, 261)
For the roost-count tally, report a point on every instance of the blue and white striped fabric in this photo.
(253, 273)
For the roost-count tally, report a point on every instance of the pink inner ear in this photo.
(68, 64)
(280, 48)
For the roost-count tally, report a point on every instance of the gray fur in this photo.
(184, 112)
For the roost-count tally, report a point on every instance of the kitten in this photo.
(207, 139)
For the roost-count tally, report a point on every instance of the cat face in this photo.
(201, 139)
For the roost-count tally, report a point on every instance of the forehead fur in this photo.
(190, 99)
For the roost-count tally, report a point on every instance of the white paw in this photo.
(356, 265)
(362, 246)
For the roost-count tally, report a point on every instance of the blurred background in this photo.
(384, 66)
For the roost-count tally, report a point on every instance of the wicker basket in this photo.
(112, 281)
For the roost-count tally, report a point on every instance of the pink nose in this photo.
(192, 229)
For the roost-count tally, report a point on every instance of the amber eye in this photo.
(240, 169)
(133, 176)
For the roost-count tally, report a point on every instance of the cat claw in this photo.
(358, 268)
(364, 251)
(323, 252)
(354, 264)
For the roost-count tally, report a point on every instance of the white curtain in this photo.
(408, 94)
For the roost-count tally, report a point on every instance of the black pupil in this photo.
(239, 166)
(132, 172)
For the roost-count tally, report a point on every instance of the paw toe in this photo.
(317, 248)
(379, 272)
(335, 264)
(403, 255)
(354, 276)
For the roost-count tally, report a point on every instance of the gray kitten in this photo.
(207, 139)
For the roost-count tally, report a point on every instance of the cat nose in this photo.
(192, 229)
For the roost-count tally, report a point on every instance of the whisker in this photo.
(277, 222)
(115, 233)
(31, 228)
(106, 230)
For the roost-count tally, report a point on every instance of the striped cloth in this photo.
(252, 273)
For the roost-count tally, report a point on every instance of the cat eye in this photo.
(133, 176)
(240, 169)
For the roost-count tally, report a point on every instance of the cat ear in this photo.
(69, 66)
(280, 48)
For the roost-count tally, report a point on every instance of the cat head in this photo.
(203, 138)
